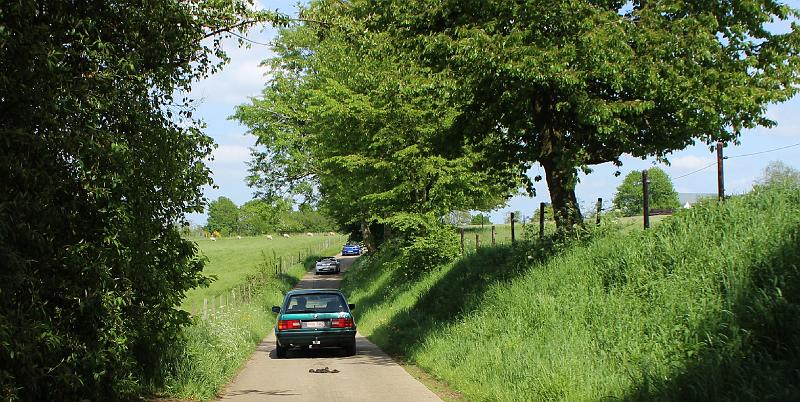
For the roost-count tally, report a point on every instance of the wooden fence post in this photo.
(462, 241)
(598, 209)
(477, 242)
(541, 220)
(513, 239)
(205, 308)
(646, 199)
(494, 241)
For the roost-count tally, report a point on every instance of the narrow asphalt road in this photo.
(370, 375)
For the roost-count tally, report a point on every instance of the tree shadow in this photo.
(756, 350)
(459, 292)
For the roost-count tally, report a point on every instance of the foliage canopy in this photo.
(355, 126)
(100, 164)
(569, 84)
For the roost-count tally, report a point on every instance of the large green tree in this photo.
(99, 165)
(262, 216)
(661, 194)
(574, 83)
(355, 127)
(223, 216)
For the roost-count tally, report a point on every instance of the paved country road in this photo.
(370, 375)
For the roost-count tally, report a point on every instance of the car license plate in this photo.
(315, 324)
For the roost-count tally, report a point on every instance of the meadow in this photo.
(704, 306)
(231, 260)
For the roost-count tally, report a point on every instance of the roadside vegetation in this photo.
(703, 306)
(212, 349)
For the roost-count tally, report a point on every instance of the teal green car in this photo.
(315, 318)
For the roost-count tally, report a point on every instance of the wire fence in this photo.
(271, 269)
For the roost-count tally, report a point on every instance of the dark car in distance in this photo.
(314, 318)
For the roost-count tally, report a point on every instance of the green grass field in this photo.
(231, 260)
(703, 307)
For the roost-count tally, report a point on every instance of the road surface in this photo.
(370, 375)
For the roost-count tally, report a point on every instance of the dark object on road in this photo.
(315, 318)
(323, 371)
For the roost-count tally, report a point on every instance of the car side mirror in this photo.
(351, 306)
(276, 309)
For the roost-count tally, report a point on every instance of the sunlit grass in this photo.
(231, 260)
(703, 306)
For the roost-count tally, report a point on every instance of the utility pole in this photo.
(646, 199)
(720, 173)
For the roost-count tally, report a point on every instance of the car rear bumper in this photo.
(325, 269)
(315, 338)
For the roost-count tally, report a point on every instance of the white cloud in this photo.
(227, 154)
(690, 162)
(787, 117)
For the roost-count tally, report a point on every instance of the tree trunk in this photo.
(561, 182)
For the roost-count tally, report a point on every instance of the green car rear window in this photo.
(316, 303)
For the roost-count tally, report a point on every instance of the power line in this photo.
(691, 173)
(248, 39)
(762, 152)
(737, 156)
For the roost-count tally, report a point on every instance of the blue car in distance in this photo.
(351, 249)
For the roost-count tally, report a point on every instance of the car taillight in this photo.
(342, 323)
(288, 324)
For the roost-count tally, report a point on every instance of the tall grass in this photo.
(212, 349)
(705, 306)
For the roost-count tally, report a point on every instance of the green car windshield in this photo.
(316, 303)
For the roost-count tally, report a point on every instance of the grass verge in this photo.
(704, 306)
(212, 350)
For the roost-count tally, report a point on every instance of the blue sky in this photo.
(243, 78)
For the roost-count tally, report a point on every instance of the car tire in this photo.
(280, 352)
(350, 349)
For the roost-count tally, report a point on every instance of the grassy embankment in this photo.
(705, 306)
(213, 349)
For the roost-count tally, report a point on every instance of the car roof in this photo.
(311, 292)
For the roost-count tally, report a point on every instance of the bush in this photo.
(424, 242)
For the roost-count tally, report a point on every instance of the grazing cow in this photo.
(269, 237)
(309, 234)
(213, 238)
(239, 237)
(286, 235)
(332, 234)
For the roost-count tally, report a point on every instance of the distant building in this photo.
(689, 199)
